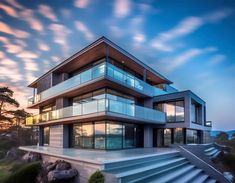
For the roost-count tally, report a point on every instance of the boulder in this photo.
(12, 154)
(61, 175)
(30, 156)
(63, 165)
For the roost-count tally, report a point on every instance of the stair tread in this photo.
(141, 169)
(169, 176)
(189, 176)
(150, 177)
(210, 149)
(211, 181)
(216, 154)
(137, 164)
(212, 152)
(200, 178)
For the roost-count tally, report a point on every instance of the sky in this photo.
(191, 42)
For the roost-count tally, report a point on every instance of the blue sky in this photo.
(191, 42)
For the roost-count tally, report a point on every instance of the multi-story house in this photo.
(105, 98)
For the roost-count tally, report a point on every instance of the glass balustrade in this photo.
(113, 106)
(103, 69)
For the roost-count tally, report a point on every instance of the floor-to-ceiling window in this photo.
(46, 135)
(100, 135)
(192, 136)
(174, 110)
(114, 135)
(178, 136)
(167, 137)
(107, 135)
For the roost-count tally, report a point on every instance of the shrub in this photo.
(26, 174)
(229, 160)
(96, 177)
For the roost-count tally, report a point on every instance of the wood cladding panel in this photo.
(56, 136)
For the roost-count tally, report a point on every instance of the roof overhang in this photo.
(99, 49)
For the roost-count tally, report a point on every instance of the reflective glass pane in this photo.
(98, 71)
(179, 110)
(178, 136)
(100, 135)
(86, 76)
(77, 136)
(114, 136)
(170, 112)
(129, 132)
(46, 134)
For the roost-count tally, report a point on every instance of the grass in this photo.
(5, 168)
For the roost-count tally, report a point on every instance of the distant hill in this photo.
(216, 133)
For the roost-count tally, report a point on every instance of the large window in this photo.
(196, 113)
(192, 136)
(46, 135)
(174, 110)
(178, 136)
(114, 135)
(100, 135)
(106, 135)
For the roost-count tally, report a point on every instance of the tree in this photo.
(6, 100)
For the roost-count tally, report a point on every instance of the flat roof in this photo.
(92, 45)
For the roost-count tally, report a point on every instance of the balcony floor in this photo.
(98, 156)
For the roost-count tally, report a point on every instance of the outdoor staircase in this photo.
(212, 152)
(160, 168)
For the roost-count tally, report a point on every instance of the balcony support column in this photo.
(148, 136)
(144, 75)
(40, 135)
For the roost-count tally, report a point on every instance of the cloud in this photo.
(30, 65)
(14, 32)
(42, 46)
(13, 48)
(218, 58)
(122, 8)
(184, 28)
(81, 3)
(47, 12)
(28, 16)
(139, 38)
(15, 4)
(60, 34)
(84, 29)
(8, 10)
(27, 55)
(172, 63)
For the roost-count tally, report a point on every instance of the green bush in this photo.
(228, 160)
(96, 177)
(26, 174)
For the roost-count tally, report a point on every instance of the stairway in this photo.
(212, 152)
(160, 168)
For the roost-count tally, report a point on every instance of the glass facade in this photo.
(46, 135)
(174, 110)
(178, 136)
(106, 135)
(192, 136)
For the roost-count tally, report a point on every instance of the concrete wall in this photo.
(85, 169)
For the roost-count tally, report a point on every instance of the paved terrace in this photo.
(98, 156)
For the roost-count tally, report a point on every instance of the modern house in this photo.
(104, 98)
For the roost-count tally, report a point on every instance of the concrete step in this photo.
(172, 175)
(216, 154)
(211, 153)
(188, 177)
(133, 174)
(200, 178)
(209, 149)
(147, 178)
(139, 160)
(130, 165)
(209, 180)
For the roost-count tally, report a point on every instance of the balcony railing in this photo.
(127, 110)
(104, 69)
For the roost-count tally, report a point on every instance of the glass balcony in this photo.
(103, 69)
(121, 108)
